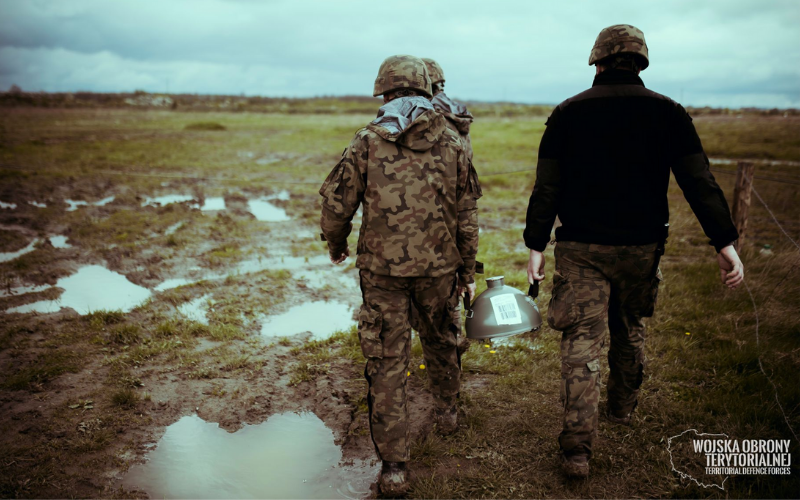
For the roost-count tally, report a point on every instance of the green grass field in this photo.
(703, 357)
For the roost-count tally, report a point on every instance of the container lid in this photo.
(495, 281)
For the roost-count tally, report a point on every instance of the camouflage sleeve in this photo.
(543, 203)
(699, 187)
(342, 193)
(469, 190)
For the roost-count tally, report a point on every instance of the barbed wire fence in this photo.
(749, 183)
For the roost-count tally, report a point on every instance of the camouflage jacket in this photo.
(458, 118)
(418, 190)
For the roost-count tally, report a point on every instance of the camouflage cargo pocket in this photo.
(561, 312)
(369, 332)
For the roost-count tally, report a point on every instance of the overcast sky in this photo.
(719, 52)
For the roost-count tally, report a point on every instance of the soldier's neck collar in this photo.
(615, 76)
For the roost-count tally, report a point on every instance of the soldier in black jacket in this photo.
(604, 168)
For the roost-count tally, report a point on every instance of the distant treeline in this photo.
(314, 105)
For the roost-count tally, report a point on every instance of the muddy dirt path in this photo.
(231, 326)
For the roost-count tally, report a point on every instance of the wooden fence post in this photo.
(741, 198)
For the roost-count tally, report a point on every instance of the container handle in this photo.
(533, 290)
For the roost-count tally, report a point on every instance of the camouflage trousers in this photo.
(392, 307)
(590, 283)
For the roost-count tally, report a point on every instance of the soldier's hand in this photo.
(471, 288)
(338, 259)
(731, 269)
(535, 267)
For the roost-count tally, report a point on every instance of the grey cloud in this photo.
(515, 50)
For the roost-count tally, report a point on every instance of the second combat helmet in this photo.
(402, 72)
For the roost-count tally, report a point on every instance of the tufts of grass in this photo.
(226, 332)
(125, 398)
(100, 319)
(233, 362)
(125, 334)
(205, 126)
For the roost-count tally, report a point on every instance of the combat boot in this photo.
(575, 466)
(446, 420)
(623, 420)
(393, 481)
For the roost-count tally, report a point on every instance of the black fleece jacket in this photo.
(604, 164)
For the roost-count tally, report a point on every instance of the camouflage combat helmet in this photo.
(436, 72)
(620, 39)
(402, 72)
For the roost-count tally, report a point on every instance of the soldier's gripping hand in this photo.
(535, 266)
(470, 288)
(731, 269)
(340, 257)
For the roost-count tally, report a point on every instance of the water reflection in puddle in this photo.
(216, 203)
(92, 288)
(37, 204)
(59, 242)
(322, 319)
(7, 256)
(12, 206)
(195, 310)
(266, 211)
(273, 263)
(318, 278)
(288, 456)
(74, 204)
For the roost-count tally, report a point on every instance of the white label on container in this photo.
(506, 310)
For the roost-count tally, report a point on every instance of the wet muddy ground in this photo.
(171, 326)
(175, 373)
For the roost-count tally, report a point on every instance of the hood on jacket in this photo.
(453, 111)
(409, 121)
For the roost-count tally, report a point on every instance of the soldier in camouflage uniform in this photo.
(604, 168)
(416, 251)
(458, 118)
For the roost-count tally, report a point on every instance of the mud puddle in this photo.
(196, 309)
(91, 288)
(59, 242)
(73, 205)
(266, 211)
(214, 203)
(286, 262)
(7, 256)
(290, 455)
(322, 319)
